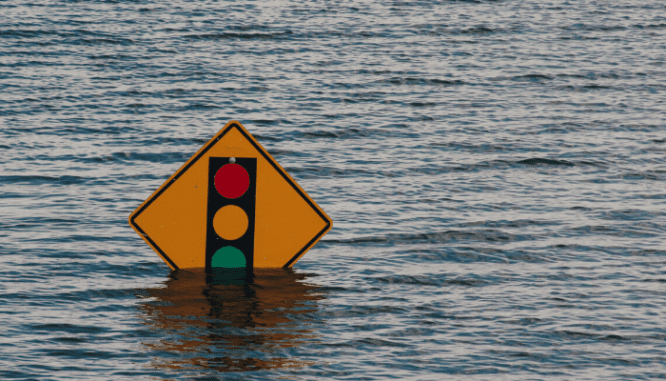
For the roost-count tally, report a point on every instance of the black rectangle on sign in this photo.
(215, 243)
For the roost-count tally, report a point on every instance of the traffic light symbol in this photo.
(232, 188)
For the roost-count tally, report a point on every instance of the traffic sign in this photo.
(231, 205)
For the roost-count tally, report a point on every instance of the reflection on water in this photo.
(227, 322)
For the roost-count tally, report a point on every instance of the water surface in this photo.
(495, 171)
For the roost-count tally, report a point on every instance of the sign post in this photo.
(230, 206)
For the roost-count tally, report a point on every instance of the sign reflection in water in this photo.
(228, 322)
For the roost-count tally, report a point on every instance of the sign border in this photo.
(232, 124)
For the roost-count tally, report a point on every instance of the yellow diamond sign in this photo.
(231, 206)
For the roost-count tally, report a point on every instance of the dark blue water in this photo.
(495, 170)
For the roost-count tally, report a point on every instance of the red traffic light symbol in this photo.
(232, 180)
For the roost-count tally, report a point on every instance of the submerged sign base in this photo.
(231, 197)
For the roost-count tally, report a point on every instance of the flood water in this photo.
(495, 172)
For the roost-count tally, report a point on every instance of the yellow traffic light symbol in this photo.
(179, 222)
(230, 222)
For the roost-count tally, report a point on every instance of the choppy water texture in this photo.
(495, 171)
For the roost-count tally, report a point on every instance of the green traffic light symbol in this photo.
(228, 257)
